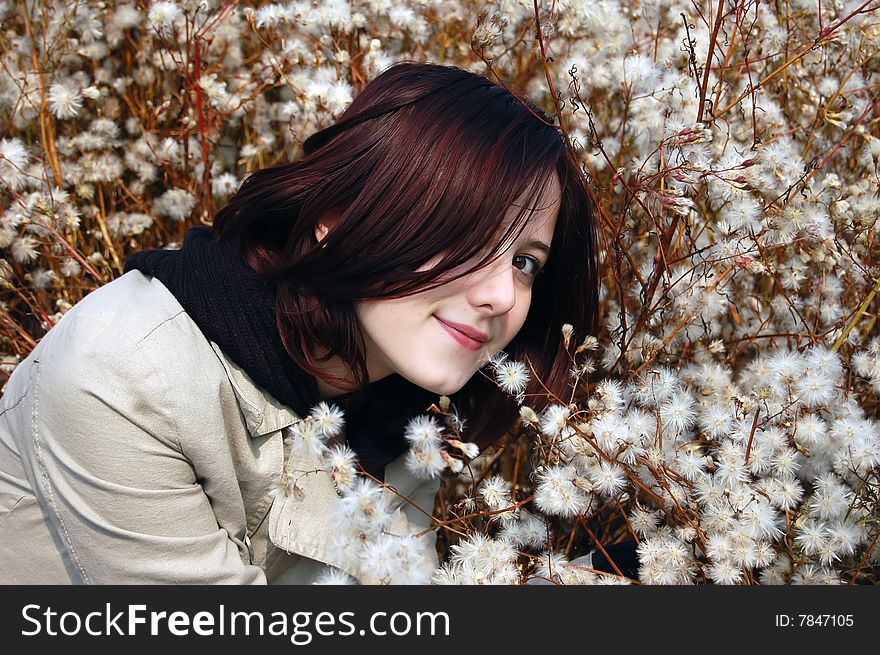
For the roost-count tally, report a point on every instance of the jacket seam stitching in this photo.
(16, 403)
(156, 327)
(50, 493)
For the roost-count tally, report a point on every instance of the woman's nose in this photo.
(494, 286)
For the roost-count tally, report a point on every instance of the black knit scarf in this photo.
(235, 308)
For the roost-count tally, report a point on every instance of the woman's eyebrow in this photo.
(540, 245)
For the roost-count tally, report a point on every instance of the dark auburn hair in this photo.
(426, 161)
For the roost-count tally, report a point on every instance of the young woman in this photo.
(439, 221)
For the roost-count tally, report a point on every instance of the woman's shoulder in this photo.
(132, 306)
(125, 313)
(130, 322)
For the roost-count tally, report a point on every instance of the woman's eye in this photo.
(529, 261)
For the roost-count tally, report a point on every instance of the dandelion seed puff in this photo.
(862, 454)
(677, 411)
(686, 533)
(41, 278)
(641, 73)
(739, 496)
(608, 479)
(845, 537)
(744, 550)
(815, 388)
(306, 438)
(469, 552)
(379, 558)
(452, 573)
(425, 462)
(468, 449)
(789, 493)
(551, 566)
(500, 554)
(70, 267)
(610, 356)
(822, 358)
(709, 491)
(224, 185)
(761, 519)
(864, 363)
(664, 560)
(14, 159)
(396, 560)
(453, 463)
(650, 551)
(811, 537)
(831, 499)
(730, 470)
(773, 438)
(506, 574)
(760, 459)
(162, 16)
(512, 377)
(641, 423)
(719, 546)
(423, 432)
(576, 572)
(283, 486)
(401, 16)
(828, 554)
(554, 419)
(176, 204)
(338, 96)
(556, 493)
(495, 492)
(449, 574)
(724, 572)
(333, 576)
(609, 429)
(270, 16)
(811, 431)
(342, 464)
(658, 385)
(632, 447)
(786, 462)
(329, 418)
(785, 367)
(611, 393)
(64, 102)
(716, 421)
(764, 554)
(691, 464)
(675, 552)
(567, 330)
(364, 506)
(24, 250)
(528, 531)
(644, 521)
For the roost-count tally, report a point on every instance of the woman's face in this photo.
(413, 336)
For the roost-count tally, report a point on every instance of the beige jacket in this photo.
(133, 451)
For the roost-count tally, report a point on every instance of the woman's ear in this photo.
(326, 223)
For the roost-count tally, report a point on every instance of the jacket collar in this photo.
(262, 413)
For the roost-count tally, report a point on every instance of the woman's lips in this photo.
(471, 344)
